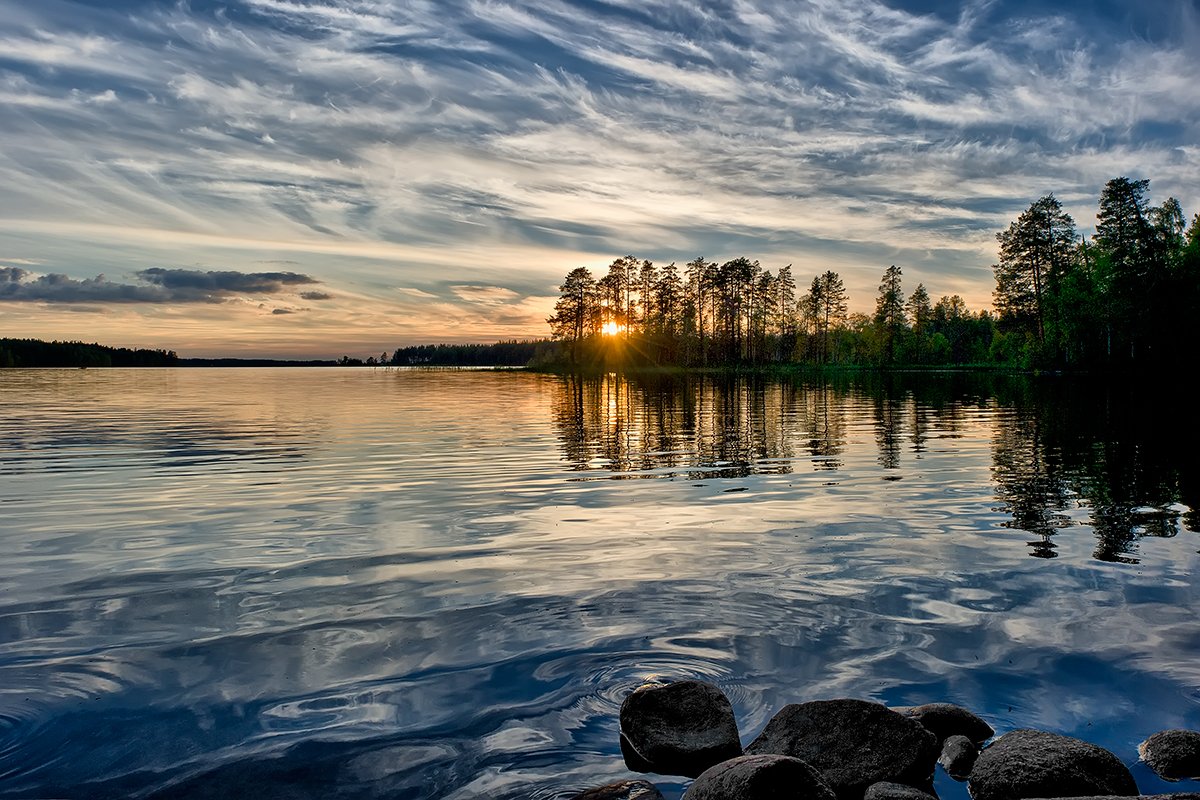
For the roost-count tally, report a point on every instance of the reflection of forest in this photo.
(1123, 454)
(698, 427)
(1057, 445)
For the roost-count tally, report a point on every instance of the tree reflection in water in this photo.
(1065, 452)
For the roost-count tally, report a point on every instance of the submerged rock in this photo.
(958, 757)
(1027, 763)
(625, 790)
(761, 777)
(681, 728)
(1172, 754)
(852, 743)
(884, 790)
(944, 720)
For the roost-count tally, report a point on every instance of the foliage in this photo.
(1125, 298)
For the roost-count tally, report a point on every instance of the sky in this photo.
(308, 179)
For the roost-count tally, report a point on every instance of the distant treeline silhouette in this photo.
(253, 362)
(1126, 298)
(36, 353)
(501, 354)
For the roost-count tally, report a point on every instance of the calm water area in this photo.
(441, 584)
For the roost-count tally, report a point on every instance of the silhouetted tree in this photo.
(889, 312)
(576, 314)
(1035, 253)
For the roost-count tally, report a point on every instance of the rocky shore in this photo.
(858, 750)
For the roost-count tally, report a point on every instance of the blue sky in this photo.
(429, 171)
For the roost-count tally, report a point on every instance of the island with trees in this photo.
(1124, 299)
(36, 353)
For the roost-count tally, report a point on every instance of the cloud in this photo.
(415, 292)
(160, 286)
(490, 295)
(282, 311)
(223, 283)
(832, 135)
(316, 296)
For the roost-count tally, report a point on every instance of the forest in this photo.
(36, 353)
(1124, 299)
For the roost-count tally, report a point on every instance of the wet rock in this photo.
(958, 757)
(682, 728)
(761, 777)
(1172, 754)
(625, 790)
(1026, 763)
(944, 720)
(852, 743)
(883, 790)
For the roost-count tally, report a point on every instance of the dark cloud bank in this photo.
(158, 286)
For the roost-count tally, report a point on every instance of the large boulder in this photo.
(958, 757)
(853, 743)
(762, 777)
(680, 728)
(944, 720)
(883, 790)
(1026, 763)
(1172, 754)
(625, 790)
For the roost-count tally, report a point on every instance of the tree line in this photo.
(1128, 297)
(36, 353)
(501, 354)
(1060, 301)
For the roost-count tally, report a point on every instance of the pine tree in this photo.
(1035, 252)
(576, 312)
(889, 311)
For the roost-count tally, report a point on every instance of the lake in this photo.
(441, 584)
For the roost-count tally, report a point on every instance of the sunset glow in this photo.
(612, 329)
(427, 172)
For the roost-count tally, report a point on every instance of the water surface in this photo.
(441, 584)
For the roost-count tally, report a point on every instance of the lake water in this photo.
(441, 584)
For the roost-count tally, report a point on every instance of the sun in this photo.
(612, 329)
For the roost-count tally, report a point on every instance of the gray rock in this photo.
(1026, 763)
(958, 757)
(1172, 754)
(852, 743)
(883, 790)
(682, 728)
(944, 720)
(762, 777)
(1176, 796)
(625, 790)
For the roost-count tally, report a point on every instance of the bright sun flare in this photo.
(612, 328)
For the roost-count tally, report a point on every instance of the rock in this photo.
(958, 756)
(944, 720)
(625, 790)
(1176, 796)
(682, 728)
(883, 790)
(1172, 754)
(761, 777)
(852, 743)
(1026, 763)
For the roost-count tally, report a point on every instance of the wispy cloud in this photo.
(158, 286)
(845, 135)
